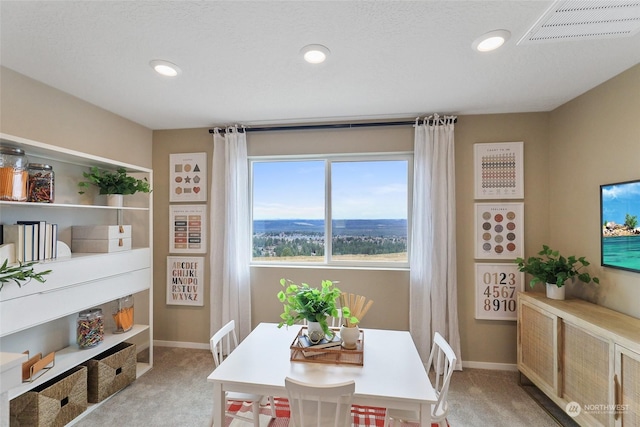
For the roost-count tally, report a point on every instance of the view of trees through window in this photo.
(364, 200)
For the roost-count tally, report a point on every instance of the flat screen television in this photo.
(620, 225)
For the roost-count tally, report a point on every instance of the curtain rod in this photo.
(330, 126)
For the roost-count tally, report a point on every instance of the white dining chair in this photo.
(320, 405)
(443, 360)
(223, 343)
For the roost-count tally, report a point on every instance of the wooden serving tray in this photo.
(331, 355)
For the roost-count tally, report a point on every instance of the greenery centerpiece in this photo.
(551, 267)
(117, 182)
(20, 274)
(302, 302)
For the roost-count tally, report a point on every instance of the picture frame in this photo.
(619, 225)
(188, 177)
(185, 281)
(187, 229)
(496, 289)
(499, 170)
(499, 230)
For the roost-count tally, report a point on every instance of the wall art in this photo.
(185, 280)
(188, 177)
(187, 228)
(499, 230)
(497, 287)
(499, 170)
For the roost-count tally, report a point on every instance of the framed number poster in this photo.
(187, 228)
(499, 230)
(188, 177)
(497, 286)
(499, 170)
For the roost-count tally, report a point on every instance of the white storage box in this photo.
(99, 232)
(100, 238)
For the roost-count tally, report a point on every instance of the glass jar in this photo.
(90, 330)
(13, 174)
(123, 314)
(41, 183)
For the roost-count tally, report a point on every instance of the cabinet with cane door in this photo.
(42, 317)
(581, 353)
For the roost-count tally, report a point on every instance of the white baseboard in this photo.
(490, 365)
(181, 344)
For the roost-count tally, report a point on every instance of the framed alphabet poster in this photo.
(187, 228)
(185, 280)
(496, 288)
(499, 230)
(188, 177)
(499, 170)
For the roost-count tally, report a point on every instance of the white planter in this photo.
(116, 200)
(315, 332)
(349, 337)
(555, 292)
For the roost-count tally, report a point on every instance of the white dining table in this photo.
(392, 374)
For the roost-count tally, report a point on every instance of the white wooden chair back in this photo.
(320, 405)
(223, 342)
(443, 359)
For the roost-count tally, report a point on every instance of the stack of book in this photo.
(313, 349)
(33, 240)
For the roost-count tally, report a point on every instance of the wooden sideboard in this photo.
(581, 353)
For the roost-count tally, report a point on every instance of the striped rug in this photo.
(362, 415)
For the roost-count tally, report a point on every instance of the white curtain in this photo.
(433, 282)
(230, 241)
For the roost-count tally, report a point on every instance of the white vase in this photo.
(315, 332)
(555, 292)
(116, 200)
(349, 337)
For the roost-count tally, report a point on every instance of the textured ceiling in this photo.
(240, 59)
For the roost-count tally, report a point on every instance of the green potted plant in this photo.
(302, 302)
(113, 183)
(20, 274)
(554, 269)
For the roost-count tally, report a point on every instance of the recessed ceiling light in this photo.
(491, 40)
(165, 68)
(314, 53)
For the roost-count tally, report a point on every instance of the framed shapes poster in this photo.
(187, 228)
(499, 230)
(188, 177)
(185, 280)
(499, 170)
(496, 289)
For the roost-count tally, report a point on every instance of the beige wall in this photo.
(594, 140)
(33, 110)
(569, 152)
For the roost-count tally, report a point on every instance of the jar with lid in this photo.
(90, 331)
(41, 183)
(123, 314)
(13, 174)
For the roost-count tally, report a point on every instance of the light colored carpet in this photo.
(176, 393)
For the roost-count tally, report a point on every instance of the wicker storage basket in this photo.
(111, 371)
(52, 404)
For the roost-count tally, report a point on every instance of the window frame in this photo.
(329, 159)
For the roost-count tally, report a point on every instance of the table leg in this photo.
(217, 418)
(425, 415)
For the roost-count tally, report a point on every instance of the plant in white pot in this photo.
(114, 183)
(554, 270)
(302, 302)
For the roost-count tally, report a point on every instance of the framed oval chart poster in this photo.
(496, 288)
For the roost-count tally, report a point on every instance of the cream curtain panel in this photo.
(230, 242)
(433, 281)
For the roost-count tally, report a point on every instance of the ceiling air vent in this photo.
(580, 20)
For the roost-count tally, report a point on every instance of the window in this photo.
(361, 202)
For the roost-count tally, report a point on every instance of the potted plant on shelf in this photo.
(20, 274)
(116, 183)
(302, 302)
(554, 269)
